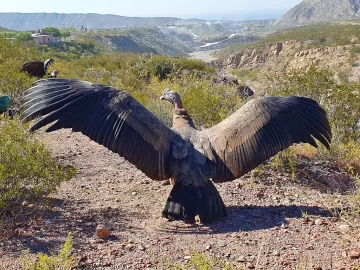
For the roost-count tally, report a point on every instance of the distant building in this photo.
(41, 39)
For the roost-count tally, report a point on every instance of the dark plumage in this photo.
(191, 157)
(37, 68)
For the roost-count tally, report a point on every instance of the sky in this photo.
(185, 9)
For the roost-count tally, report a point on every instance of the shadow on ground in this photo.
(46, 230)
(253, 218)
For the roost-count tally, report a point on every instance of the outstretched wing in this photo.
(263, 127)
(35, 68)
(109, 116)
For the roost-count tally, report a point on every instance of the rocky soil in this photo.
(274, 222)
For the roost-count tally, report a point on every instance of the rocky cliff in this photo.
(310, 11)
(295, 54)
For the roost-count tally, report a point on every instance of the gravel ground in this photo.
(274, 222)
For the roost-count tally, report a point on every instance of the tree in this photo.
(24, 36)
(65, 33)
(52, 31)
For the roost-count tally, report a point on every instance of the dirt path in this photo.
(203, 55)
(267, 226)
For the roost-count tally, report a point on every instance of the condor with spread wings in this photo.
(193, 158)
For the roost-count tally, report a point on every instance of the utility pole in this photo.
(37, 30)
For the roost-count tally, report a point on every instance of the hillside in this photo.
(26, 21)
(295, 48)
(171, 40)
(167, 36)
(342, 60)
(310, 11)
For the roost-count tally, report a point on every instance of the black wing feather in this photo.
(109, 116)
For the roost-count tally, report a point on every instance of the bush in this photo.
(207, 104)
(63, 261)
(199, 261)
(340, 100)
(164, 67)
(27, 169)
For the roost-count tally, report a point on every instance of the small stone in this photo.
(222, 244)
(31, 205)
(82, 258)
(306, 220)
(48, 222)
(141, 247)
(188, 257)
(344, 227)
(241, 258)
(129, 247)
(133, 193)
(100, 241)
(208, 247)
(354, 254)
(102, 232)
(250, 266)
(276, 253)
(319, 221)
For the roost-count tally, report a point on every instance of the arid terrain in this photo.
(274, 222)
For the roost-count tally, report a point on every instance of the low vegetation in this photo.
(64, 260)
(198, 261)
(340, 100)
(27, 169)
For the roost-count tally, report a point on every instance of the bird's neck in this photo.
(181, 120)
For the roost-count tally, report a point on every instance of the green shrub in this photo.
(27, 169)
(164, 67)
(199, 261)
(63, 261)
(340, 100)
(206, 103)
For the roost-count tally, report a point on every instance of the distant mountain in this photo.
(162, 35)
(31, 21)
(170, 40)
(311, 11)
(3, 29)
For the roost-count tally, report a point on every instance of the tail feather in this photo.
(185, 202)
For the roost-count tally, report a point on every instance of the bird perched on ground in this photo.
(54, 73)
(187, 155)
(37, 68)
(4, 102)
